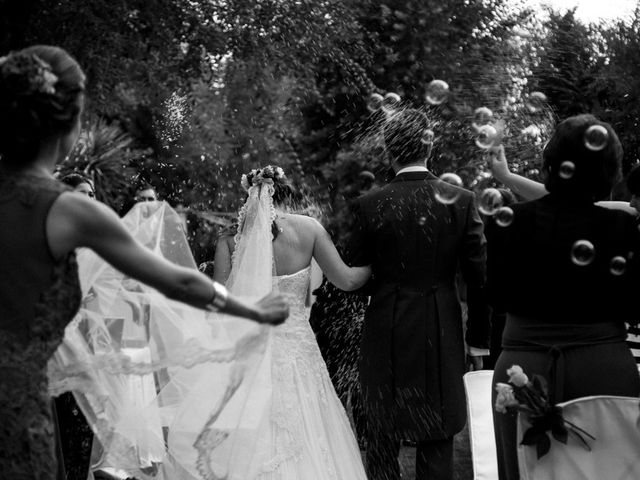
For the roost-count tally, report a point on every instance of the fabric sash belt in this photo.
(532, 334)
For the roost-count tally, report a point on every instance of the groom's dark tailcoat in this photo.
(412, 351)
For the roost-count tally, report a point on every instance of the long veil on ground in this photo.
(134, 359)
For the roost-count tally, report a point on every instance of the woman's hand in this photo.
(498, 163)
(272, 309)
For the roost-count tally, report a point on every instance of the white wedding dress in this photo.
(294, 426)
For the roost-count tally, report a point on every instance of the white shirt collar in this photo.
(413, 168)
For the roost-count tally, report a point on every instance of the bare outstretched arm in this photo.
(78, 222)
(339, 273)
(530, 189)
(522, 186)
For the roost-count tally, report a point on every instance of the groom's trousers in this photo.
(434, 459)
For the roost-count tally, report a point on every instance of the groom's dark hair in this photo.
(403, 136)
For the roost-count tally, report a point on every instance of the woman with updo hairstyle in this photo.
(564, 271)
(41, 101)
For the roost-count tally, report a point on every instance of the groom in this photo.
(412, 351)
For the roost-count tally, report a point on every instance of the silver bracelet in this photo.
(219, 300)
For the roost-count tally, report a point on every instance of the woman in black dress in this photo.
(42, 222)
(564, 271)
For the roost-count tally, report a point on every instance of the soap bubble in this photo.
(482, 116)
(445, 194)
(536, 101)
(582, 253)
(490, 201)
(391, 102)
(618, 265)
(596, 138)
(375, 102)
(486, 137)
(437, 92)
(567, 169)
(504, 216)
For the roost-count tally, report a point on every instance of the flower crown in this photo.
(258, 176)
(26, 73)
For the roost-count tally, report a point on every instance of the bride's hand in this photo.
(272, 309)
(498, 163)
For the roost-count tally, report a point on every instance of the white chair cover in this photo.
(480, 412)
(615, 452)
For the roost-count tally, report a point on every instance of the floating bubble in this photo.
(596, 138)
(391, 102)
(437, 92)
(375, 102)
(482, 116)
(445, 194)
(536, 101)
(422, 221)
(490, 201)
(504, 216)
(618, 265)
(567, 169)
(486, 137)
(427, 137)
(583, 253)
(367, 175)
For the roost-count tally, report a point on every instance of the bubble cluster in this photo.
(486, 137)
(445, 194)
(567, 169)
(437, 92)
(582, 253)
(490, 201)
(596, 138)
(504, 216)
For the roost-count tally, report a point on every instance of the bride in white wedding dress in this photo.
(279, 418)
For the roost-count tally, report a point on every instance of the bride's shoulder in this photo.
(302, 221)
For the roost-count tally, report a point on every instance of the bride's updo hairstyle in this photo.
(41, 96)
(582, 159)
(283, 192)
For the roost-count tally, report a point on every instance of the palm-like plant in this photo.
(105, 153)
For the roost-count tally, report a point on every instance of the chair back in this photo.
(615, 452)
(478, 387)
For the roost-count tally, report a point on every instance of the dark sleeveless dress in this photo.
(39, 295)
(564, 320)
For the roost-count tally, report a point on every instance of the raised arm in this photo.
(339, 273)
(78, 222)
(522, 186)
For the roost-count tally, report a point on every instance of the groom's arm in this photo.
(473, 265)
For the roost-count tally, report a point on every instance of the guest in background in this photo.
(41, 101)
(552, 271)
(146, 193)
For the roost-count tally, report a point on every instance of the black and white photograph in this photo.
(319, 240)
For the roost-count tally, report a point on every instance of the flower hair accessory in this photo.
(258, 176)
(531, 398)
(26, 73)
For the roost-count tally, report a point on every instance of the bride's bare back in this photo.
(300, 238)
